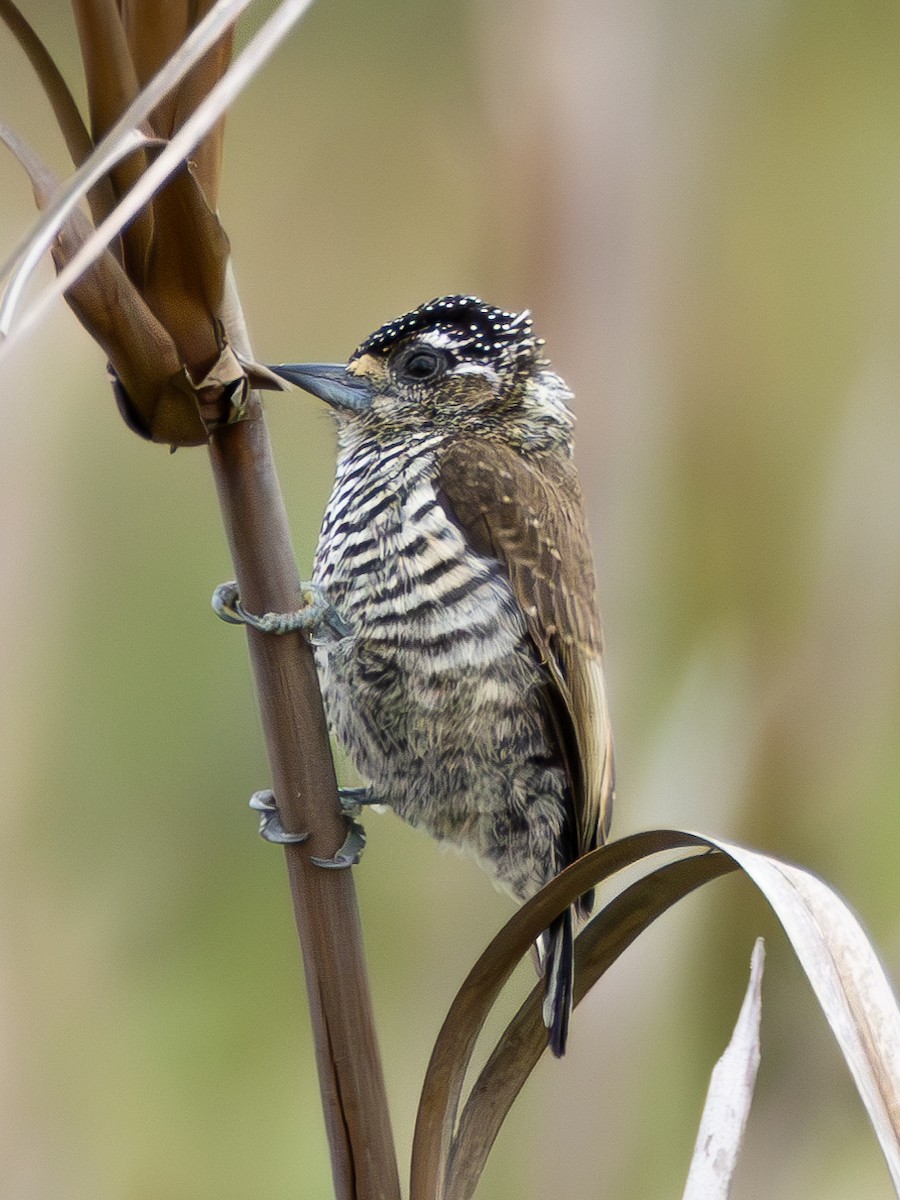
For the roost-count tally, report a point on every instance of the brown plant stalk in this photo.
(351, 1080)
(325, 910)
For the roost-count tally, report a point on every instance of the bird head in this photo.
(454, 365)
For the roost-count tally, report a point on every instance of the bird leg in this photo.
(271, 829)
(318, 618)
(354, 798)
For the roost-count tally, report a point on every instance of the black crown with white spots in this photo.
(471, 329)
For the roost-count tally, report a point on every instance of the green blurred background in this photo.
(700, 204)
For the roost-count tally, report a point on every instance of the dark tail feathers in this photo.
(559, 971)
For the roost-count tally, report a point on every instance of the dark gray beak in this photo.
(331, 382)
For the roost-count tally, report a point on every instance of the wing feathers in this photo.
(528, 513)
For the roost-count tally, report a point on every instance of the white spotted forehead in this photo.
(462, 342)
(463, 324)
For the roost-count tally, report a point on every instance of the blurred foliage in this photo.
(699, 202)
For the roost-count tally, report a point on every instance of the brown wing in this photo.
(529, 514)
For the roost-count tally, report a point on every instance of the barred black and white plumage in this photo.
(470, 693)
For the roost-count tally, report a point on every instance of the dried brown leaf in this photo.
(72, 127)
(449, 1152)
(848, 980)
(517, 1052)
(600, 943)
(728, 1098)
(112, 86)
(163, 403)
(153, 40)
(112, 82)
(22, 262)
(185, 272)
(170, 160)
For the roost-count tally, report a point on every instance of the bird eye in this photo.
(422, 365)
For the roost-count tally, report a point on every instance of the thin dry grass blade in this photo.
(523, 1042)
(201, 121)
(126, 132)
(152, 42)
(452, 1053)
(59, 206)
(728, 1099)
(72, 127)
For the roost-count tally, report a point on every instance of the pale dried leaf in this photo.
(729, 1098)
(608, 934)
(619, 922)
(849, 982)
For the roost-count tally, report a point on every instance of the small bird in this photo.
(469, 692)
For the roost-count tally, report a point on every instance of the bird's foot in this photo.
(270, 826)
(317, 618)
(272, 830)
(350, 850)
(354, 799)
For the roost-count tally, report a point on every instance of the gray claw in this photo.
(318, 617)
(327, 624)
(272, 830)
(263, 801)
(349, 853)
(270, 827)
(353, 799)
(226, 604)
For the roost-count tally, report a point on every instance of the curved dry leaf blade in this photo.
(842, 967)
(523, 1042)
(848, 980)
(107, 304)
(184, 278)
(72, 127)
(200, 122)
(59, 206)
(112, 82)
(152, 42)
(124, 137)
(729, 1097)
(453, 1049)
(112, 85)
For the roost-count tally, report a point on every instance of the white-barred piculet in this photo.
(468, 691)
